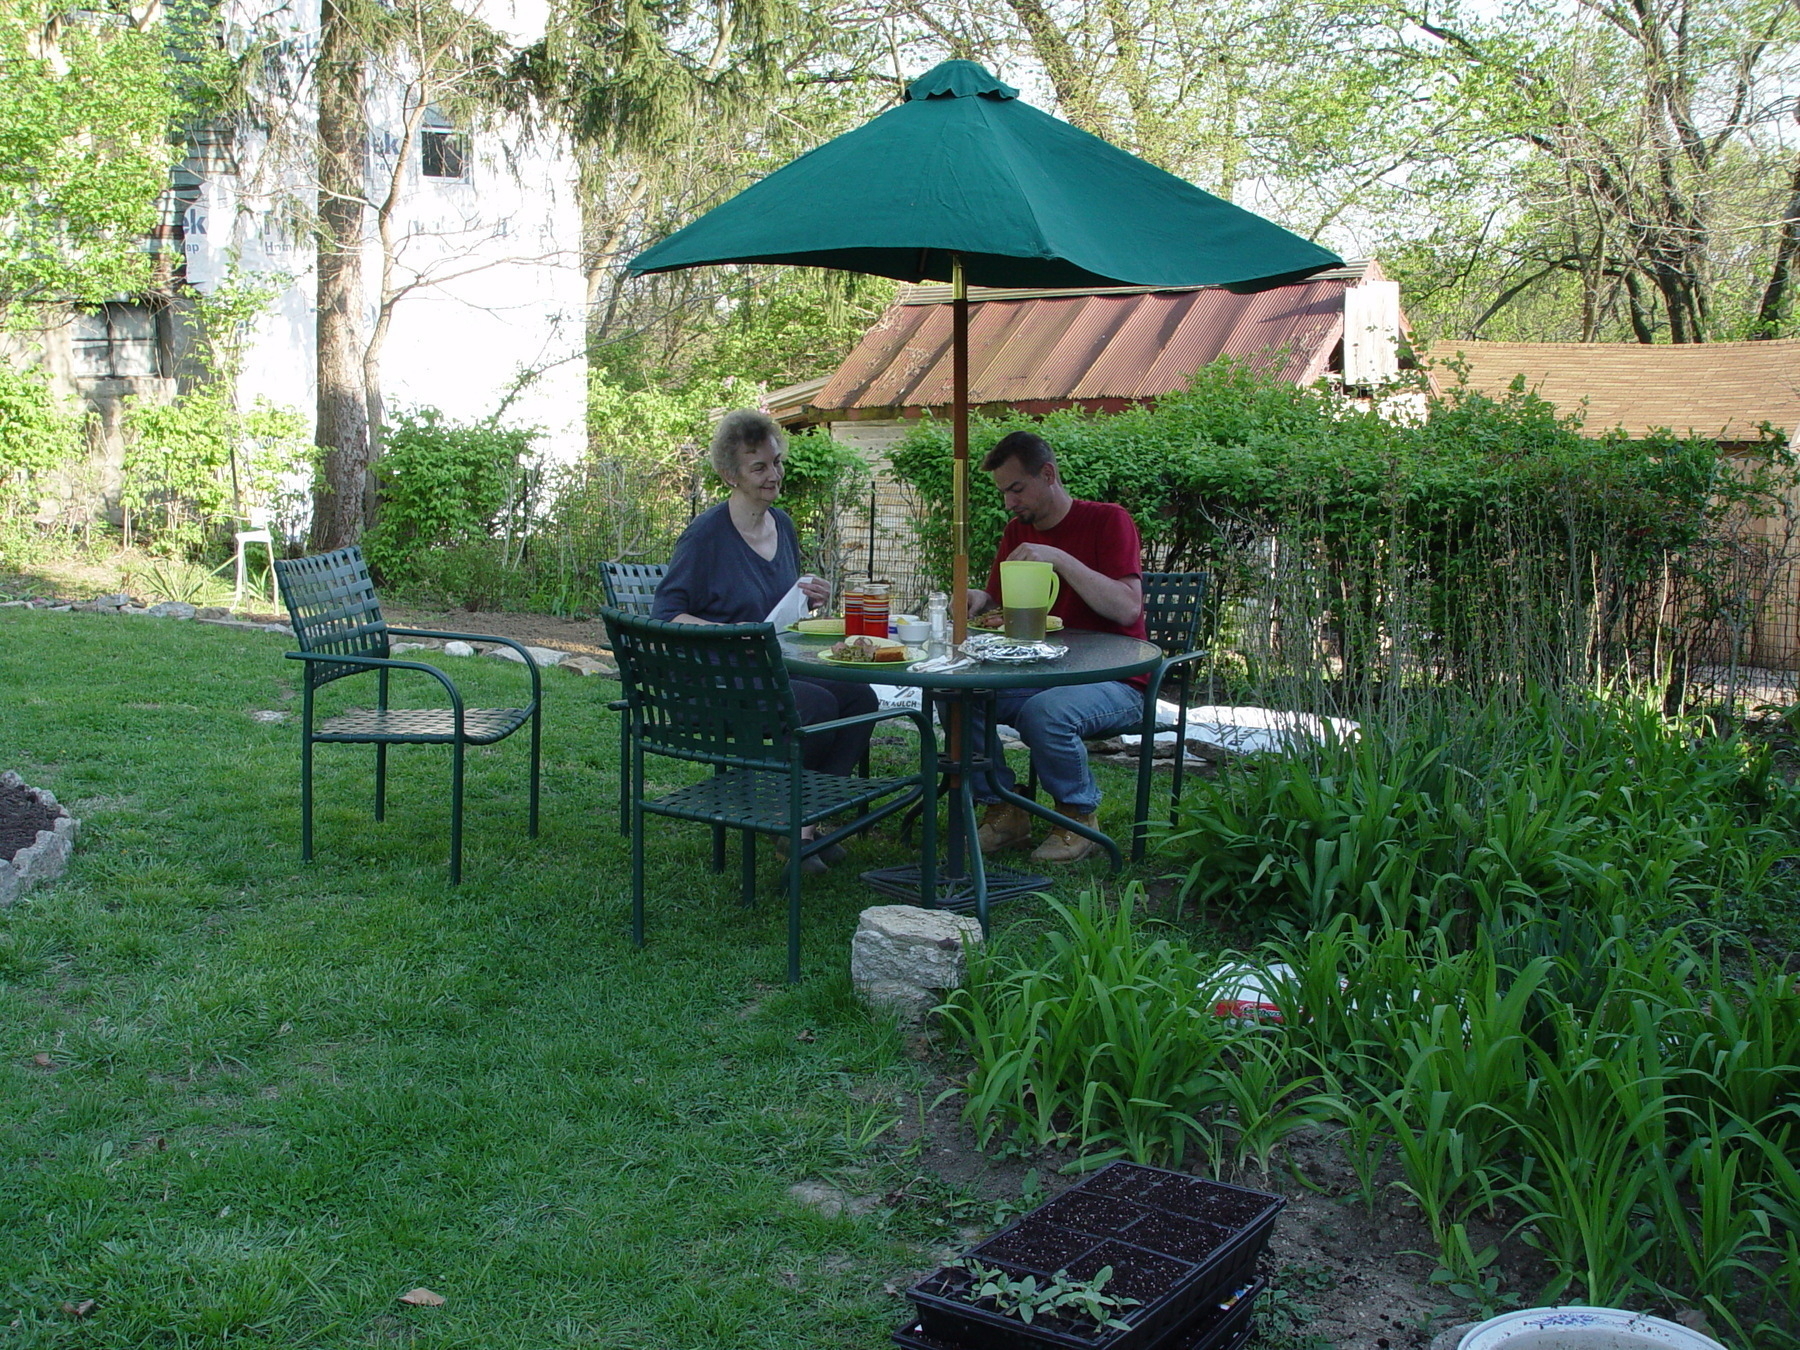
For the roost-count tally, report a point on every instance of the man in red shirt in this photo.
(1095, 549)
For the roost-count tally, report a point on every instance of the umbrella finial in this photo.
(958, 79)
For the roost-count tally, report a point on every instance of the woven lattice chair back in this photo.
(331, 600)
(632, 586)
(1174, 605)
(715, 693)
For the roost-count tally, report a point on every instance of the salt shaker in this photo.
(937, 614)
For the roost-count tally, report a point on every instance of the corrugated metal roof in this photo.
(1720, 390)
(1125, 343)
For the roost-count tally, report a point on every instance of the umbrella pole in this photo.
(959, 413)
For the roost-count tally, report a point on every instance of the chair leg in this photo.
(537, 742)
(1181, 705)
(718, 837)
(456, 805)
(1140, 817)
(306, 784)
(636, 830)
(381, 702)
(793, 882)
(747, 882)
(624, 774)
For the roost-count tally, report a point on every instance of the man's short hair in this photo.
(744, 429)
(1030, 449)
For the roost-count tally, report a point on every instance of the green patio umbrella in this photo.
(966, 183)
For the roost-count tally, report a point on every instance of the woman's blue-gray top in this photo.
(715, 575)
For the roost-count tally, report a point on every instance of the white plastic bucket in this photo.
(1577, 1328)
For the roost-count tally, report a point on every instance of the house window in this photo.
(116, 341)
(443, 150)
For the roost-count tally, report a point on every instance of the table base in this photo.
(962, 894)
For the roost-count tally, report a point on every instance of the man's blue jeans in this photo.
(1053, 723)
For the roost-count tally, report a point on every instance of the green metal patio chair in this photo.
(719, 695)
(1175, 609)
(338, 624)
(1174, 618)
(631, 587)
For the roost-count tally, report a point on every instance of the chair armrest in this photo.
(879, 715)
(1160, 673)
(385, 663)
(919, 715)
(537, 687)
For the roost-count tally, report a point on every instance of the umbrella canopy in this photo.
(964, 167)
(966, 183)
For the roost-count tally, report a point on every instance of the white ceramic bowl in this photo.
(1580, 1328)
(912, 631)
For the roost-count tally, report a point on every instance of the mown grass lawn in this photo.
(251, 1101)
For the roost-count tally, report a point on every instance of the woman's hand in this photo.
(815, 590)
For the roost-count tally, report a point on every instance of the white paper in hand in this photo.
(790, 608)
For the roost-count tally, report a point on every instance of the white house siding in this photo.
(502, 310)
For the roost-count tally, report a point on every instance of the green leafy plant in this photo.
(1488, 543)
(1098, 1039)
(1025, 1298)
(38, 435)
(177, 579)
(444, 485)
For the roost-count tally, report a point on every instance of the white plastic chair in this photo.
(257, 518)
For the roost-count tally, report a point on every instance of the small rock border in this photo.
(45, 859)
(220, 617)
(121, 603)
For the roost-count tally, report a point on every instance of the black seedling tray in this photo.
(1175, 1243)
(1208, 1328)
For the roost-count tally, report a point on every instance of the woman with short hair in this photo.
(737, 559)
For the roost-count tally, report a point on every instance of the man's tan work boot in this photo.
(1064, 845)
(1004, 826)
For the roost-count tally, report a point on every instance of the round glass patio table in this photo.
(964, 881)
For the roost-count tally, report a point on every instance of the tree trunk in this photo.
(1787, 255)
(342, 433)
(1075, 92)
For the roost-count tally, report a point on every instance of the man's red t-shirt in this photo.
(1103, 536)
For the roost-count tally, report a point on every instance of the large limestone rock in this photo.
(903, 958)
(540, 656)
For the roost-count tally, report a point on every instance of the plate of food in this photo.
(821, 627)
(867, 651)
(995, 619)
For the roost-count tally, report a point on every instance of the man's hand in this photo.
(979, 602)
(1042, 553)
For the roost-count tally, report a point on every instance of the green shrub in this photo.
(37, 436)
(443, 485)
(177, 470)
(1488, 542)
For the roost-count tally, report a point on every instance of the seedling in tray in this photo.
(1071, 1299)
